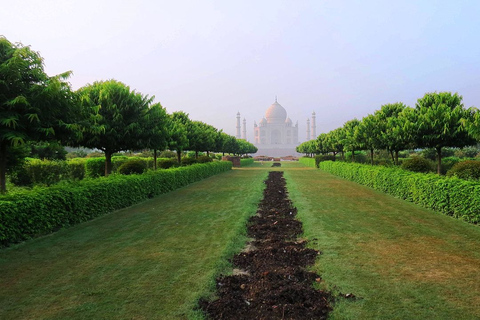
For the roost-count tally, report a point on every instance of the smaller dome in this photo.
(288, 121)
(263, 122)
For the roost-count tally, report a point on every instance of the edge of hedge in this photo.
(45, 210)
(449, 195)
(310, 162)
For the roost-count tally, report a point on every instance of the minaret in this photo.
(244, 133)
(308, 129)
(238, 126)
(314, 127)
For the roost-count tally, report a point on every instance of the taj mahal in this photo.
(276, 135)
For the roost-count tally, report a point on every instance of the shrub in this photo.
(187, 161)
(418, 164)
(133, 166)
(310, 162)
(168, 154)
(167, 163)
(204, 159)
(320, 157)
(468, 170)
(246, 162)
(451, 196)
(448, 163)
(76, 168)
(44, 210)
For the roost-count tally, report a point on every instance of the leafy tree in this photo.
(201, 137)
(33, 106)
(116, 118)
(395, 128)
(47, 150)
(336, 140)
(367, 134)
(351, 142)
(439, 119)
(178, 141)
(157, 130)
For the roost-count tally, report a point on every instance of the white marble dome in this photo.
(276, 113)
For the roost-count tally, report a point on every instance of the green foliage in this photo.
(246, 162)
(468, 170)
(47, 150)
(310, 162)
(187, 161)
(327, 157)
(33, 106)
(451, 196)
(167, 154)
(133, 166)
(418, 164)
(45, 210)
(448, 163)
(431, 153)
(167, 163)
(204, 159)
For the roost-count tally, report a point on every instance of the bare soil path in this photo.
(275, 284)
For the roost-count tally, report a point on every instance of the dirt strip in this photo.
(271, 281)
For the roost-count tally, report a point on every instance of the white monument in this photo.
(275, 135)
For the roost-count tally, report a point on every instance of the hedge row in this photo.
(246, 162)
(307, 161)
(451, 196)
(45, 210)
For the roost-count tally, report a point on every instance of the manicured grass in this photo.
(400, 260)
(150, 261)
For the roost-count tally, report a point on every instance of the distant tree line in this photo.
(105, 115)
(439, 120)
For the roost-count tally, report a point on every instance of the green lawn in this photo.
(155, 259)
(402, 261)
(150, 261)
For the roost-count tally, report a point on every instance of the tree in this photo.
(439, 119)
(178, 133)
(116, 118)
(157, 130)
(33, 106)
(350, 139)
(201, 137)
(395, 128)
(367, 134)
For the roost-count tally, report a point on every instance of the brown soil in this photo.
(276, 284)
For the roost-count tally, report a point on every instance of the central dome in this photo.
(276, 113)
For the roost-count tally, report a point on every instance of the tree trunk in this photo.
(196, 154)
(353, 155)
(439, 158)
(343, 156)
(208, 153)
(334, 155)
(371, 156)
(391, 154)
(155, 159)
(179, 156)
(3, 167)
(108, 163)
(396, 157)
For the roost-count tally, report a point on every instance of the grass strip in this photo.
(150, 261)
(400, 260)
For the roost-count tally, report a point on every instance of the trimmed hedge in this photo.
(246, 162)
(310, 162)
(45, 210)
(450, 196)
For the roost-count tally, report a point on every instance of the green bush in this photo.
(187, 161)
(468, 170)
(44, 210)
(310, 162)
(204, 159)
(448, 163)
(418, 164)
(76, 168)
(167, 163)
(320, 157)
(168, 154)
(133, 166)
(246, 162)
(451, 196)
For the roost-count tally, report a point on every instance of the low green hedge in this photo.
(246, 162)
(451, 196)
(45, 210)
(310, 162)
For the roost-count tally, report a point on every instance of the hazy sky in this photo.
(211, 59)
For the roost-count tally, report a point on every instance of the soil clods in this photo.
(275, 283)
